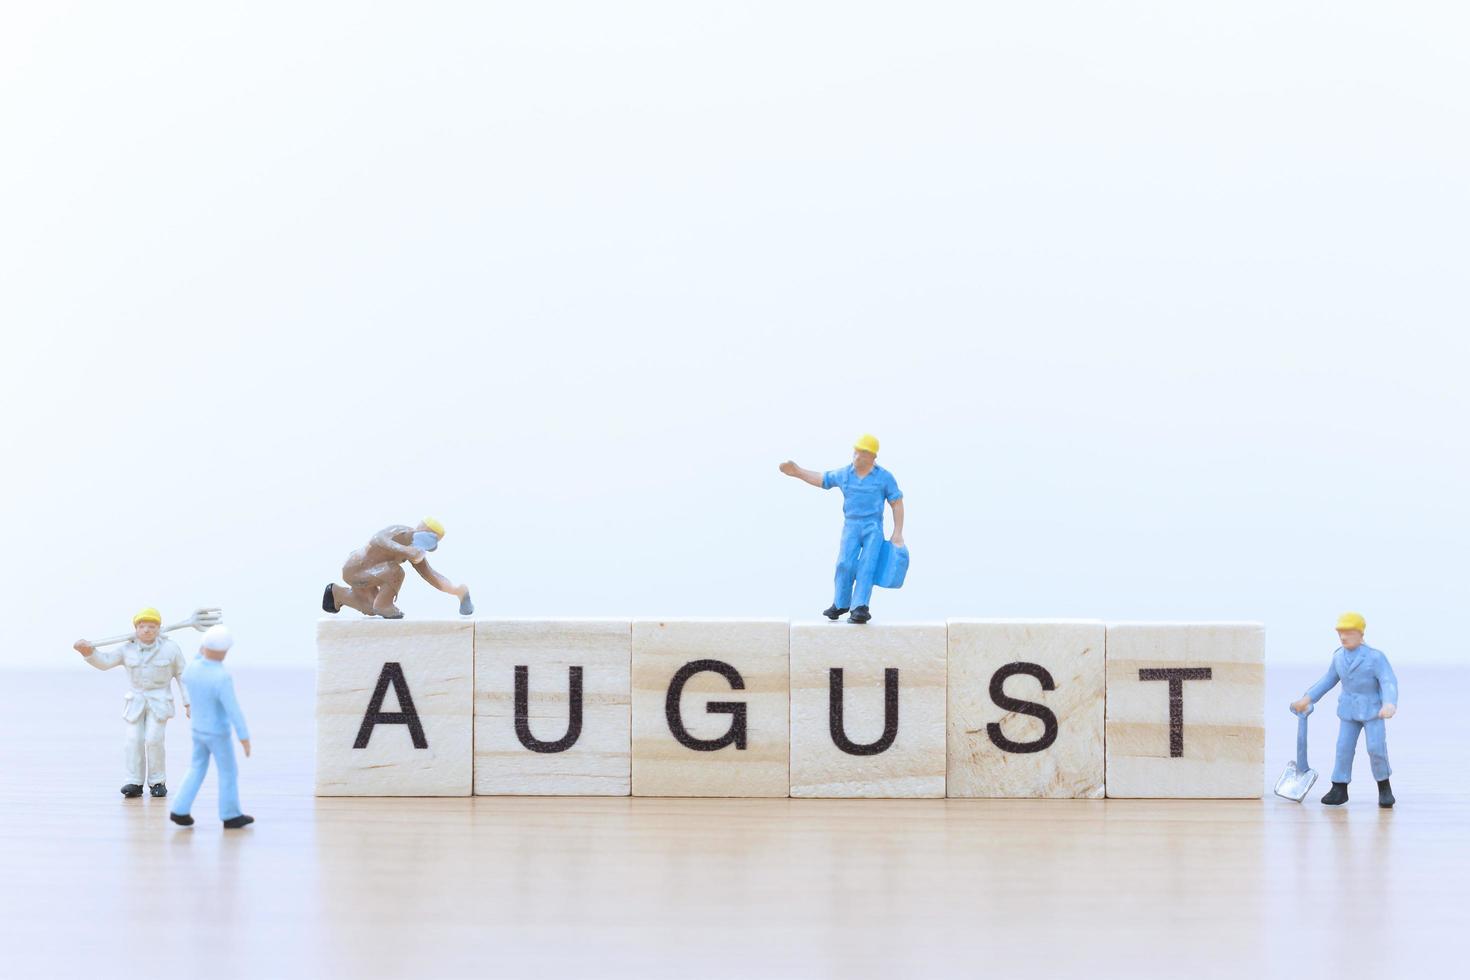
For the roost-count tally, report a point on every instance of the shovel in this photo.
(201, 620)
(1296, 782)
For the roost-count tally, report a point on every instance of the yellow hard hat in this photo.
(434, 526)
(148, 615)
(1352, 621)
(867, 443)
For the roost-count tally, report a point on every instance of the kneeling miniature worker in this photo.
(1370, 696)
(153, 661)
(865, 486)
(375, 574)
(215, 712)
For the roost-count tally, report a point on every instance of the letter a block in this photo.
(867, 710)
(710, 708)
(1026, 709)
(551, 708)
(1185, 714)
(394, 707)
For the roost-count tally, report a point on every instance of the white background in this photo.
(1159, 309)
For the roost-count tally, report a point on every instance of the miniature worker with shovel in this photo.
(375, 574)
(864, 559)
(1370, 695)
(153, 662)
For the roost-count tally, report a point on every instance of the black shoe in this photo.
(157, 790)
(182, 819)
(1385, 794)
(329, 601)
(833, 613)
(1337, 795)
(132, 791)
(235, 823)
(860, 614)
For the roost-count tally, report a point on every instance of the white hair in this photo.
(218, 638)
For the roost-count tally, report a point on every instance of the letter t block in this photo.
(1186, 710)
(394, 707)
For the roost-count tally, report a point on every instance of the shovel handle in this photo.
(124, 637)
(1301, 741)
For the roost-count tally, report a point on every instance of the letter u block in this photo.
(394, 707)
(1185, 716)
(1026, 708)
(710, 708)
(867, 710)
(551, 708)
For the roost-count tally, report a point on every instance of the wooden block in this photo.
(710, 708)
(1186, 710)
(394, 707)
(1026, 708)
(552, 708)
(867, 710)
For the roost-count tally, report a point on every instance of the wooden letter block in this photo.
(1186, 710)
(551, 708)
(394, 707)
(867, 710)
(710, 708)
(1026, 709)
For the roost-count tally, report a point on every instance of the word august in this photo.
(965, 708)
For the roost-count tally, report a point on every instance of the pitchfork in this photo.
(201, 620)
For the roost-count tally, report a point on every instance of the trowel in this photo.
(1296, 782)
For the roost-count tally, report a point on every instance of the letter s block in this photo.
(867, 710)
(394, 707)
(1026, 709)
(1186, 710)
(551, 708)
(711, 704)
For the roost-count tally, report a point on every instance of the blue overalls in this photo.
(214, 710)
(1368, 682)
(862, 529)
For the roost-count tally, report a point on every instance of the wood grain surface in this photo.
(525, 887)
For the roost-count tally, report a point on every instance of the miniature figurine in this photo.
(214, 695)
(864, 485)
(153, 661)
(1370, 695)
(375, 574)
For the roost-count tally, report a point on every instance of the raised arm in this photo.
(384, 539)
(101, 659)
(805, 476)
(438, 581)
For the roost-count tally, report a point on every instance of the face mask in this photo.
(426, 540)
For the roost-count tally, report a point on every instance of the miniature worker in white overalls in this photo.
(153, 662)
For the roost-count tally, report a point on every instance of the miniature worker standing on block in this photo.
(153, 662)
(214, 696)
(375, 574)
(865, 486)
(1370, 695)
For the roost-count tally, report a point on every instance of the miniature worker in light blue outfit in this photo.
(215, 712)
(1370, 695)
(865, 486)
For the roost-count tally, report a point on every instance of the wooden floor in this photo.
(94, 885)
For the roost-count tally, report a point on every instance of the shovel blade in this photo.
(1295, 783)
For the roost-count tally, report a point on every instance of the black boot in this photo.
(157, 790)
(1337, 795)
(860, 614)
(832, 612)
(235, 823)
(329, 601)
(182, 819)
(1385, 794)
(132, 791)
